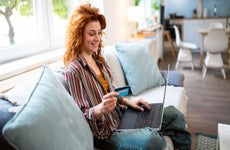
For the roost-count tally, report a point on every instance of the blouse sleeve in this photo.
(80, 97)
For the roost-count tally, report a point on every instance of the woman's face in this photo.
(92, 37)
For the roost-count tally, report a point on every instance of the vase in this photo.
(199, 8)
(205, 13)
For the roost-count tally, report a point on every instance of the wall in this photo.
(185, 7)
(118, 28)
(223, 7)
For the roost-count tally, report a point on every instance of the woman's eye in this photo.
(91, 34)
(94, 33)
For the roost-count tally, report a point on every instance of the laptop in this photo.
(134, 119)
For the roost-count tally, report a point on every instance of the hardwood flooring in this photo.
(209, 99)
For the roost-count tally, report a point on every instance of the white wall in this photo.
(118, 28)
(180, 7)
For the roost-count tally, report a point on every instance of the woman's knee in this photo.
(145, 139)
(155, 140)
(172, 112)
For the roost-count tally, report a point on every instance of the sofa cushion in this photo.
(19, 94)
(176, 78)
(175, 96)
(60, 74)
(110, 55)
(50, 119)
(138, 64)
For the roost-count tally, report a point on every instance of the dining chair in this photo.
(216, 43)
(184, 54)
(216, 25)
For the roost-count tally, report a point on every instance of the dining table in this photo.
(203, 33)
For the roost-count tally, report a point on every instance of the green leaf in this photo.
(137, 2)
(156, 5)
(60, 8)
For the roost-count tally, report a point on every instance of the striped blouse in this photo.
(87, 91)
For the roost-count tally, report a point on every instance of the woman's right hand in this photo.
(109, 102)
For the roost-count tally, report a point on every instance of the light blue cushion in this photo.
(49, 120)
(138, 64)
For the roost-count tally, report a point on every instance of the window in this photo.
(32, 26)
(151, 12)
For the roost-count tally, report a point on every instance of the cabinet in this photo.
(154, 40)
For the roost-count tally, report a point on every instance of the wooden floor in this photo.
(209, 99)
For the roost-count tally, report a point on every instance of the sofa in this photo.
(40, 113)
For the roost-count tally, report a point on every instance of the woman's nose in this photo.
(98, 37)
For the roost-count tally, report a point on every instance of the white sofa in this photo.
(175, 94)
(49, 118)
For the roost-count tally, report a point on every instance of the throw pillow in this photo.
(19, 94)
(50, 119)
(176, 78)
(110, 55)
(139, 66)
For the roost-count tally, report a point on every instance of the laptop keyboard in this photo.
(150, 118)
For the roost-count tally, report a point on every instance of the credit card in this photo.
(123, 91)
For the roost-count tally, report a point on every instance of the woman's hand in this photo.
(138, 105)
(109, 102)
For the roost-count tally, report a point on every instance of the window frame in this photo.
(46, 40)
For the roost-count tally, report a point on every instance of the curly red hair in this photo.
(74, 34)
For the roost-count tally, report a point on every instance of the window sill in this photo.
(13, 73)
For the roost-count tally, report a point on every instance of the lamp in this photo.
(135, 13)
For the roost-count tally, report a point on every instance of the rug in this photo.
(206, 142)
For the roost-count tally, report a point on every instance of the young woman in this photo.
(90, 84)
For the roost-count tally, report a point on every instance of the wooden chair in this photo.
(169, 38)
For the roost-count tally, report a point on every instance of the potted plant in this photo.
(155, 5)
(137, 2)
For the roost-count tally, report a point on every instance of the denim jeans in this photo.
(138, 139)
(148, 139)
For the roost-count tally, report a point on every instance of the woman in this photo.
(90, 84)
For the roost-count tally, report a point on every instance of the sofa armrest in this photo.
(176, 78)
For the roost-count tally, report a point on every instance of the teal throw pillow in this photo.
(49, 120)
(139, 66)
